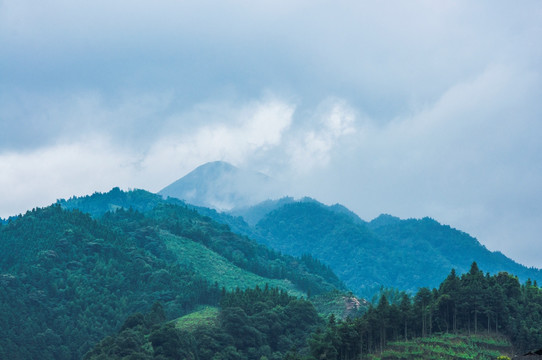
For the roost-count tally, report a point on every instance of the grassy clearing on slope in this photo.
(216, 268)
(447, 346)
(206, 317)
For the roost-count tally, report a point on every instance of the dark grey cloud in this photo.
(384, 59)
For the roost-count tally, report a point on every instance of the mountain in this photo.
(68, 278)
(221, 186)
(253, 214)
(157, 279)
(387, 251)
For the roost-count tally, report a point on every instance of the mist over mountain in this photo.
(324, 115)
(385, 252)
(222, 186)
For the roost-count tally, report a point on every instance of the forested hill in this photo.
(389, 252)
(98, 204)
(472, 316)
(474, 303)
(68, 279)
(171, 214)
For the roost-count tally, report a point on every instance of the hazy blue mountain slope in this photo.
(388, 251)
(457, 248)
(98, 204)
(253, 214)
(363, 260)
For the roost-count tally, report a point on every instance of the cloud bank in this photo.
(418, 109)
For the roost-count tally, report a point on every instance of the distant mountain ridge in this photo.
(387, 251)
(221, 186)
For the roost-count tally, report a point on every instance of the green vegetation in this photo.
(444, 323)
(389, 252)
(171, 283)
(172, 215)
(205, 317)
(488, 307)
(341, 305)
(68, 279)
(447, 346)
(474, 316)
(98, 204)
(251, 324)
(217, 269)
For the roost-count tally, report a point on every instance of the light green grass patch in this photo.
(206, 317)
(216, 268)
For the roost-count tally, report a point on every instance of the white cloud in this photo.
(91, 155)
(235, 135)
(40, 177)
(466, 160)
(312, 147)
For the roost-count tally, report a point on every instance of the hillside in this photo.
(388, 251)
(69, 279)
(251, 324)
(385, 252)
(196, 224)
(474, 316)
(448, 346)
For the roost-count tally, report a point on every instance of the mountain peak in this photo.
(216, 166)
(384, 220)
(222, 186)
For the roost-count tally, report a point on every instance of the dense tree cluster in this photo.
(308, 273)
(66, 281)
(269, 324)
(252, 324)
(472, 303)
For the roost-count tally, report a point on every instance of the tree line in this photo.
(472, 303)
(259, 324)
(262, 324)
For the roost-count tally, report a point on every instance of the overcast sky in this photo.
(412, 108)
